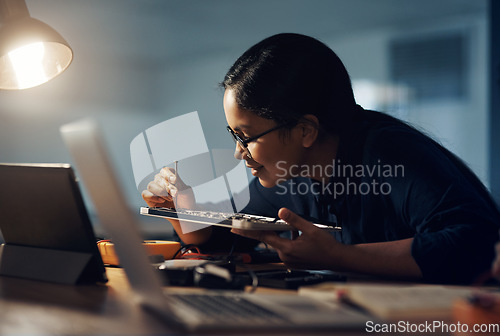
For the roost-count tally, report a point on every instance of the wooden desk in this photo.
(31, 308)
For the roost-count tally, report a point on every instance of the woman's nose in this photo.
(238, 152)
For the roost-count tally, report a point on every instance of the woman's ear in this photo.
(310, 129)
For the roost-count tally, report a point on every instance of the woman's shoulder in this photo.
(384, 126)
(391, 141)
(386, 136)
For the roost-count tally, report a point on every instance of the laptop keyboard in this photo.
(220, 308)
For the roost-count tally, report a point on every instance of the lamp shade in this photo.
(31, 52)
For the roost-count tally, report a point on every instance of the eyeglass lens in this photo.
(239, 141)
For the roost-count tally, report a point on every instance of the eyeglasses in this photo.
(244, 142)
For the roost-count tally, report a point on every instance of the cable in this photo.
(253, 276)
(185, 249)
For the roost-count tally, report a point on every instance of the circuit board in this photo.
(232, 220)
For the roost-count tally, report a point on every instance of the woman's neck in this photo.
(318, 156)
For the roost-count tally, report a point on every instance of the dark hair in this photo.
(286, 76)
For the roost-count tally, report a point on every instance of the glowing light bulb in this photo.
(27, 62)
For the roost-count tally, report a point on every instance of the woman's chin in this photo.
(267, 183)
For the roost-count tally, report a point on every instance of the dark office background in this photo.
(141, 62)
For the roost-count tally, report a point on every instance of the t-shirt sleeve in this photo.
(455, 221)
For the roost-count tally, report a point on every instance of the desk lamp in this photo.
(31, 52)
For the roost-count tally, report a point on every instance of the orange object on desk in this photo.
(154, 247)
(473, 314)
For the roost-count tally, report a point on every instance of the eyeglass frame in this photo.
(244, 143)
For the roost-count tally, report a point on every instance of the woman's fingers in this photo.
(153, 200)
(168, 174)
(296, 221)
(159, 189)
(162, 183)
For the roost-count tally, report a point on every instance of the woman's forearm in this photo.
(392, 259)
(196, 237)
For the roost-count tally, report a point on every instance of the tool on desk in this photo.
(293, 279)
(188, 311)
(165, 249)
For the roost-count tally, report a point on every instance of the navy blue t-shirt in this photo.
(391, 182)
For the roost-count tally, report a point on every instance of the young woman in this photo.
(408, 207)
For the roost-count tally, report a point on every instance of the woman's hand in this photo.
(317, 249)
(169, 191)
(313, 249)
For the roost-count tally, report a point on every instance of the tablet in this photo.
(43, 216)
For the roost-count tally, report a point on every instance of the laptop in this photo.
(214, 310)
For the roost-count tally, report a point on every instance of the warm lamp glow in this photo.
(27, 63)
(31, 52)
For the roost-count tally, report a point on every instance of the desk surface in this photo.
(32, 308)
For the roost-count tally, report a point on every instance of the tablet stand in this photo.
(50, 265)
